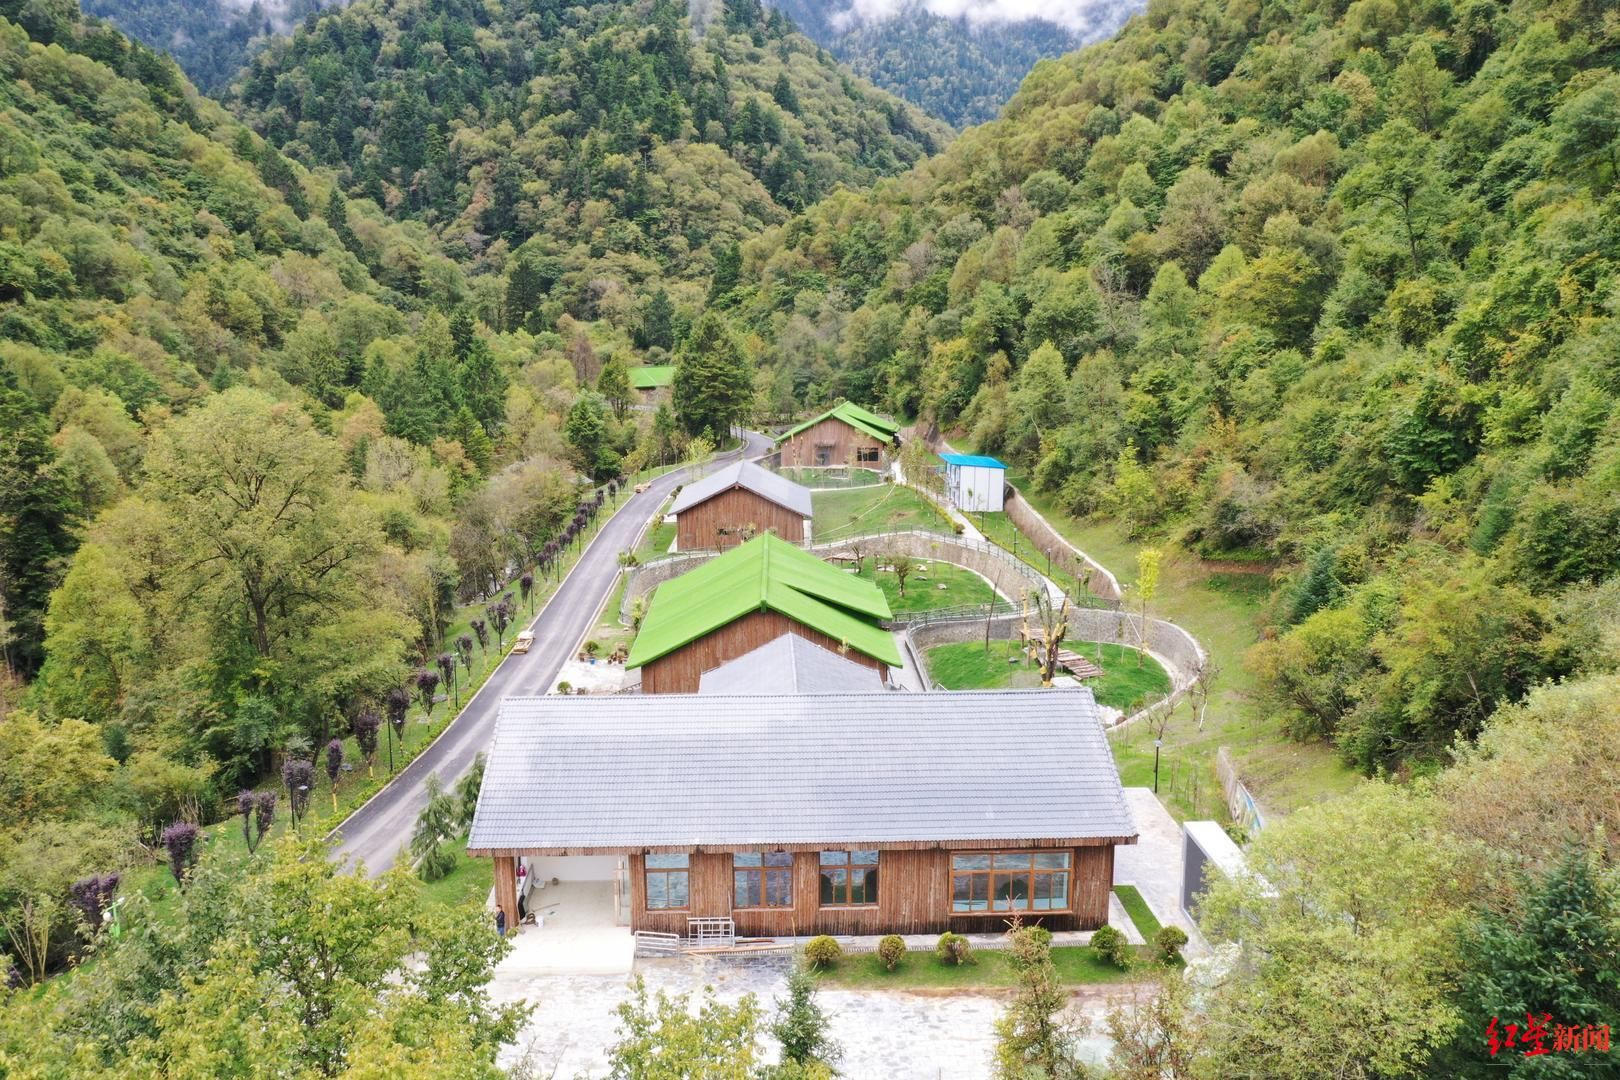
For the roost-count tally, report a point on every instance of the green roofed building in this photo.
(653, 377)
(845, 435)
(751, 595)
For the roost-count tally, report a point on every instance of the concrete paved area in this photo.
(578, 934)
(1153, 865)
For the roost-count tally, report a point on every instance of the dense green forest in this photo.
(1323, 289)
(211, 40)
(610, 145)
(950, 68)
(1328, 291)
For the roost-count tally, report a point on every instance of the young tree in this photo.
(667, 1038)
(180, 841)
(480, 628)
(90, 896)
(800, 1026)
(447, 672)
(1054, 628)
(500, 617)
(434, 860)
(264, 817)
(1157, 1037)
(1147, 590)
(585, 429)
(298, 776)
(526, 590)
(334, 767)
(245, 802)
(902, 566)
(366, 726)
(1034, 1036)
(398, 703)
(427, 688)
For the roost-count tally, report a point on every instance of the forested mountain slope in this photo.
(211, 40)
(959, 71)
(615, 135)
(1301, 283)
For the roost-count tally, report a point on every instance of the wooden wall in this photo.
(679, 672)
(718, 522)
(914, 897)
(845, 440)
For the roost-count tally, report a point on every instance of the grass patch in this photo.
(923, 592)
(468, 883)
(1124, 685)
(1136, 906)
(658, 536)
(1219, 606)
(1076, 965)
(888, 508)
(822, 479)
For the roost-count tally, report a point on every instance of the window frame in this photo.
(764, 870)
(848, 868)
(992, 874)
(868, 455)
(665, 872)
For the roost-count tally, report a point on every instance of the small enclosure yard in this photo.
(923, 592)
(1124, 684)
(817, 479)
(889, 508)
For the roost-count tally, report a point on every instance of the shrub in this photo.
(1168, 941)
(953, 949)
(823, 952)
(1110, 945)
(891, 950)
(1041, 935)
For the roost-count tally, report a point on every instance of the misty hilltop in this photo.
(959, 60)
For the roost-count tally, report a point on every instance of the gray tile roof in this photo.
(631, 772)
(745, 474)
(791, 664)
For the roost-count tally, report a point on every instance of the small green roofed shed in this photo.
(652, 377)
(752, 594)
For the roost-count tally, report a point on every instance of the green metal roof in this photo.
(856, 417)
(652, 377)
(766, 574)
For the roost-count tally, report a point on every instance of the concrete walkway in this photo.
(969, 530)
(577, 935)
(1153, 865)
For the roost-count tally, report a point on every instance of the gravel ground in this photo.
(885, 1035)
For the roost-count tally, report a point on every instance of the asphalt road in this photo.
(376, 833)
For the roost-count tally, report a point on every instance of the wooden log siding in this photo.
(717, 523)
(914, 897)
(679, 672)
(800, 450)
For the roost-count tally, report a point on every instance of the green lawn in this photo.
(1124, 684)
(1076, 965)
(658, 536)
(469, 882)
(816, 479)
(923, 592)
(1219, 605)
(1137, 908)
(889, 508)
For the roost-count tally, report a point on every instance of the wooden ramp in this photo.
(1077, 665)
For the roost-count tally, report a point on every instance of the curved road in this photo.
(376, 832)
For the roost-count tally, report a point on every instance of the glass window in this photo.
(1010, 881)
(849, 878)
(762, 879)
(667, 882)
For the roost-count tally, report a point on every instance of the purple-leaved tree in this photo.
(299, 777)
(334, 767)
(180, 840)
(366, 726)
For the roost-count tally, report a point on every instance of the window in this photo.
(849, 878)
(868, 454)
(1010, 881)
(666, 882)
(824, 453)
(762, 879)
